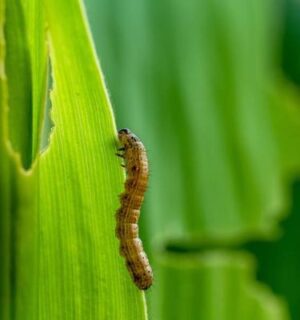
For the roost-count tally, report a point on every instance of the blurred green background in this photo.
(211, 88)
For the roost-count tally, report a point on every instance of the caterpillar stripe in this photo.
(131, 247)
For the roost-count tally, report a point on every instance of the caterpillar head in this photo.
(126, 137)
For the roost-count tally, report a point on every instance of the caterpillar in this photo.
(136, 164)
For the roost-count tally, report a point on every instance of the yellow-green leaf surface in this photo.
(5, 297)
(18, 71)
(61, 256)
(25, 65)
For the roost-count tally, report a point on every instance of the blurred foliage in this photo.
(279, 261)
(291, 43)
(201, 83)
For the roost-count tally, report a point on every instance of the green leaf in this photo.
(35, 19)
(26, 66)
(18, 70)
(61, 256)
(5, 194)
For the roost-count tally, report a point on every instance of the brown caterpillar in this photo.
(131, 247)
